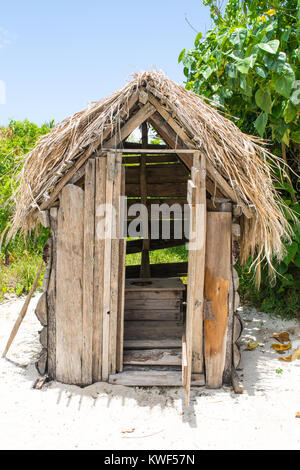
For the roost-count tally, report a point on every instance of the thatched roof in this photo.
(239, 158)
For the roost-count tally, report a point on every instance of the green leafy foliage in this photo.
(19, 258)
(248, 63)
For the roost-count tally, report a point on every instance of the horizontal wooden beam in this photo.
(157, 190)
(138, 150)
(153, 357)
(152, 158)
(154, 378)
(160, 270)
(152, 343)
(135, 145)
(135, 329)
(175, 173)
(135, 246)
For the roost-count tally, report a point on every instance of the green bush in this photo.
(19, 258)
(248, 63)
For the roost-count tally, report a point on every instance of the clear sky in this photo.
(58, 55)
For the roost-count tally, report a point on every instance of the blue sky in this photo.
(57, 56)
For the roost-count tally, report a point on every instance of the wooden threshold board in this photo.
(150, 357)
(155, 378)
(153, 343)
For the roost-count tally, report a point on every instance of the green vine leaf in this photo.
(263, 100)
(260, 123)
(271, 47)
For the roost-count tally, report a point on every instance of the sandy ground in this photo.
(101, 416)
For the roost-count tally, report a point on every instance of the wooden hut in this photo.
(142, 325)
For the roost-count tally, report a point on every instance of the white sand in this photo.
(68, 417)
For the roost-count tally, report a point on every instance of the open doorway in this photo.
(157, 263)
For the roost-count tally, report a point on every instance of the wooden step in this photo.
(152, 330)
(153, 343)
(152, 304)
(158, 357)
(153, 378)
(153, 314)
(153, 284)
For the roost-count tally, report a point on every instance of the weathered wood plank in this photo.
(160, 270)
(167, 343)
(110, 169)
(23, 311)
(184, 364)
(169, 201)
(154, 284)
(152, 330)
(157, 357)
(98, 270)
(154, 378)
(236, 356)
(153, 295)
(199, 260)
(155, 314)
(41, 309)
(217, 276)
(173, 173)
(115, 267)
(157, 190)
(88, 271)
(152, 158)
(135, 145)
(151, 304)
(135, 246)
(51, 297)
(41, 364)
(228, 357)
(69, 285)
(236, 383)
(44, 337)
(121, 287)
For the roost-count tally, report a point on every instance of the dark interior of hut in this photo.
(155, 289)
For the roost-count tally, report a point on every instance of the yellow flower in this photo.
(263, 18)
(271, 12)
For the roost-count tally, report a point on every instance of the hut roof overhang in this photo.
(236, 163)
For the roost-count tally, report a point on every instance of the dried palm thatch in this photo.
(240, 158)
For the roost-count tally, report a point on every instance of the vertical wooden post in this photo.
(199, 260)
(88, 271)
(217, 281)
(115, 267)
(121, 287)
(110, 175)
(69, 285)
(100, 192)
(51, 296)
(195, 295)
(145, 262)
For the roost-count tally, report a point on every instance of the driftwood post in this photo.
(23, 311)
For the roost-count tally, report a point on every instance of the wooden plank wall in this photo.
(217, 282)
(195, 289)
(90, 276)
(69, 280)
